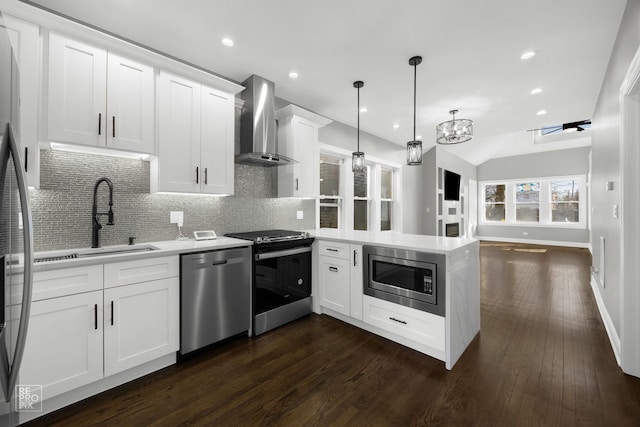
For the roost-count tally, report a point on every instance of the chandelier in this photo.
(454, 131)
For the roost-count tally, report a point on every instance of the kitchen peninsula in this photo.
(346, 264)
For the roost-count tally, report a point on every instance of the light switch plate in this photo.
(176, 217)
(299, 214)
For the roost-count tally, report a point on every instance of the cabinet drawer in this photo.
(57, 283)
(140, 270)
(334, 249)
(416, 325)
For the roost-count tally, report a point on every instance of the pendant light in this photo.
(414, 147)
(357, 161)
(454, 131)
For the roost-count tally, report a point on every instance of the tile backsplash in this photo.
(62, 207)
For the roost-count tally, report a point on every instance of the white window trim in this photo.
(339, 198)
(544, 204)
(346, 190)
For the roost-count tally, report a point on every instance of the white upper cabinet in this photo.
(298, 139)
(130, 105)
(196, 137)
(25, 43)
(217, 141)
(98, 98)
(177, 168)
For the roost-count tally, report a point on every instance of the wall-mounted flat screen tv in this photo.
(451, 185)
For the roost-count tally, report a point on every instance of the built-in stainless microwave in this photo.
(410, 278)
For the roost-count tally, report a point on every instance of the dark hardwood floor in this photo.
(542, 358)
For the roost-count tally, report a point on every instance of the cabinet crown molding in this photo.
(293, 110)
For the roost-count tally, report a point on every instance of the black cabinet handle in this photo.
(111, 313)
(334, 269)
(113, 126)
(396, 320)
(99, 123)
(332, 250)
(95, 317)
(355, 258)
(296, 184)
(205, 176)
(26, 159)
(197, 175)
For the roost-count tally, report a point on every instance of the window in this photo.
(527, 201)
(545, 202)
(494, 202)
(386, 199)
(361, 199)
(367, 200)
(565, 201)
(330, 194)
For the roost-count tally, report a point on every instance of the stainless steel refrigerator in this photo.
(16, 241)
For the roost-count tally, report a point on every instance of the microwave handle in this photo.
(428, 285)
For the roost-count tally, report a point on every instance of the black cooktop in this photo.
(268, 236)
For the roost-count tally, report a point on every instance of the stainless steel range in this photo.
(281, 276)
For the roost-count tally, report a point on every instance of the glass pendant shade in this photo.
(414, 153)
(454, 131)
(357, 161)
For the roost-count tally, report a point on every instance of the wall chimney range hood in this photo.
(258, 125)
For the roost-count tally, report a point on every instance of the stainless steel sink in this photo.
(87, 253)
(115, 251)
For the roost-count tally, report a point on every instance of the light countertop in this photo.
(162, 248)
(413, 242)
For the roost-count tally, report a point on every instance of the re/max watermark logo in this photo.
(29, 398)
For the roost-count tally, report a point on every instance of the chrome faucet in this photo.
(95, 215)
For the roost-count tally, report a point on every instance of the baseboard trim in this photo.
(535, 242)
(614, 338)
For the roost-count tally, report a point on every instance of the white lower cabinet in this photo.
(416, 325)
(334, 284)
(340, 278)
(114, 317)
(64, 343)
(140, 323)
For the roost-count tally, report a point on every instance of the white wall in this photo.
(547, 164)
(606, 159)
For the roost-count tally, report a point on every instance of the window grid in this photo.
(330, 192)
(368, 205)
(546, 202)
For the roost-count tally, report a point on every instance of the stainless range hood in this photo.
(258, 125)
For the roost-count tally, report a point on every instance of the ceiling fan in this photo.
(578, 126)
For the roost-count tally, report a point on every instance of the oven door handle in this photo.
(286, 252)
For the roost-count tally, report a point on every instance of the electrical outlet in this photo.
(299, 214)
(525, 233)
(176, 217)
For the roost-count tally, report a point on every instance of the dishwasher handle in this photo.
(221, 262)
(286, 252)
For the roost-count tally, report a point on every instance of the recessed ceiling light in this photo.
(536, 91)
(293, 75)
(363, 110)
(396, 126)
(541, 112)
(528, 55)
(227, 41)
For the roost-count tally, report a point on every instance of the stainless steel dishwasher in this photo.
(215, 297)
